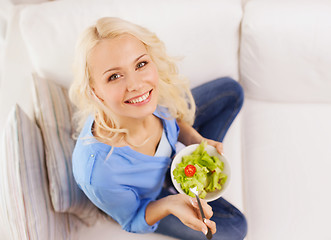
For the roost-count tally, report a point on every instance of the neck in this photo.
(143, 135)
(139, 130)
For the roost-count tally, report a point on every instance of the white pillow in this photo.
(205, 34)
(24, 190)
(53, 113)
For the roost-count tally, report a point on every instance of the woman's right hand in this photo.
(186, 209)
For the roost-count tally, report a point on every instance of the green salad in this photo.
(200, 170)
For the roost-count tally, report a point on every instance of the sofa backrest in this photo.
(285, 51)
(205, 35)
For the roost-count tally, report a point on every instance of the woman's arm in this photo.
(188, 135)
(184, 208)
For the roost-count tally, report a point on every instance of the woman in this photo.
(133, 108)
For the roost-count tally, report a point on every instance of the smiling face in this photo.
(124, 77)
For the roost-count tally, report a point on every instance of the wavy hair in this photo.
(174, 92)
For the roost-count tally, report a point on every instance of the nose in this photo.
(133, 82)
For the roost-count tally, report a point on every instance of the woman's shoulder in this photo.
(87, 127)
(86, 150)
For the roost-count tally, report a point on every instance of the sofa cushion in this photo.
(53, 113)
(286, 162)
(206, 35)
(25, 197)
(285, 51)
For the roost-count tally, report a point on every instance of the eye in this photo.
(141, 64)
(114, 77)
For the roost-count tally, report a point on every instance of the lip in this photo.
(136, 97)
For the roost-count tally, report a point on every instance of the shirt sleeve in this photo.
(123, 205)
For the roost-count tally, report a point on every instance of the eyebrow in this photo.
(117, 68)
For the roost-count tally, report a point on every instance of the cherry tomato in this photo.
(189, 170)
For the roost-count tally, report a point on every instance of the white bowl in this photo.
(211, 196)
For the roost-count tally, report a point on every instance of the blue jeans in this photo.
(218, 103)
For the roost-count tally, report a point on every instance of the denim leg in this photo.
(230, 222)
(218, 103)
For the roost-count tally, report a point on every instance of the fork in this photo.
(209, 235)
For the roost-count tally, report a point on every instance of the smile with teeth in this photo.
(140, 99)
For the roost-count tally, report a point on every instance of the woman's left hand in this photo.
(217, 145)
(188, 135)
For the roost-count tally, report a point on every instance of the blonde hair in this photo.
(174, 93)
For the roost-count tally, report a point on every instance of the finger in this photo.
(207, 209)
(210, 224)
(198, 225)
(217, 145)
(219, 148)
(196, 208)
(194, 202)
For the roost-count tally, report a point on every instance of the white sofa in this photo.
(280, 51)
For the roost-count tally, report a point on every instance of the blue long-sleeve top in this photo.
(119, 180)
